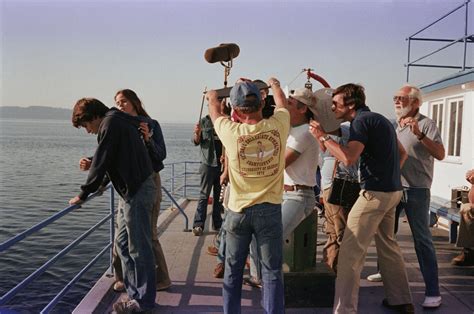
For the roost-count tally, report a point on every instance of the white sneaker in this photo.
(432, 302)
(375, 277)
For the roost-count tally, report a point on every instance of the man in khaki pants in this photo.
(373, 139)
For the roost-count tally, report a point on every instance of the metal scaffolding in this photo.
(467, 38)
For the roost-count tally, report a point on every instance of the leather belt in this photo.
(296, 187)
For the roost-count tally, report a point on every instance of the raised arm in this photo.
(278, 94)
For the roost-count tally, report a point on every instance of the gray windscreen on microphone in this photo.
(223, 52)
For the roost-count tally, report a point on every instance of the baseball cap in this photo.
(303, 95)
(240, 91)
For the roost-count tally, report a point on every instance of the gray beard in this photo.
(401, 113)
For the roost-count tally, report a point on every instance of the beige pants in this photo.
(466, 229)
(336, 218)
(162, 274)
(371, 216)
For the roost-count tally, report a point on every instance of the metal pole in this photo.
(112, 228)
(408, 59)
(185, 175)
(465, 37)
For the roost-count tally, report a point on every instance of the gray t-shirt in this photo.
(417, 172)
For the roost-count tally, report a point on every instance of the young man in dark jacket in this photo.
(122, 156)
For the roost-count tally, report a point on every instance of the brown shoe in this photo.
(400, 308)
(466, 258)
(165, 285)
(119, 286)
(212, 250)
(253, 282)
(219, 271)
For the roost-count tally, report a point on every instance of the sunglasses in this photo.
(401, 98)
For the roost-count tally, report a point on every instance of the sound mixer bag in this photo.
(344, 191)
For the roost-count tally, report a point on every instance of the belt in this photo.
(296, 187)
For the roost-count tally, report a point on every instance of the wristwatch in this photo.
(324, 138)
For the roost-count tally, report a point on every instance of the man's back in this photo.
(380, 160)
(256, 159)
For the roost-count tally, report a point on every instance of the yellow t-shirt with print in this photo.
(256, 154)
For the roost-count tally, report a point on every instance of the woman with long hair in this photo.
(126, 100)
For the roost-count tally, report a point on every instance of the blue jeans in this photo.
(296, 206)
(220, 242)
(134, 245)
(264, 221)
(210, 179)
(416, 205)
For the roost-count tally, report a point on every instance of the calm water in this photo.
(38, 175)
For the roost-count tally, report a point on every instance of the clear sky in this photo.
(55, 52)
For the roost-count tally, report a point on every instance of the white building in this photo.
(450, 102)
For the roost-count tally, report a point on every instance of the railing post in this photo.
(465, 37)
(112, 228)
(172, 178)
(185, 175)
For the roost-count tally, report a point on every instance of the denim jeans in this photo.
(296, 206)
(210, 179)
(264, 221)
(134, 245)
(220, 242)
(416, 205)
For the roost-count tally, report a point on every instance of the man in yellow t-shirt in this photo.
(255, 149)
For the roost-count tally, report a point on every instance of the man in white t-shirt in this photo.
(301, 162)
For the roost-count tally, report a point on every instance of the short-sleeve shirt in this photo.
(256, 154)
(303, 170)
(417, 171)
(328, 160)
(209, 143)
(380, 159)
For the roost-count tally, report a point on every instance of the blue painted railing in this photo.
(179, 188)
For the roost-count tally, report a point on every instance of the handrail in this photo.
(8, 243)
(108, 247)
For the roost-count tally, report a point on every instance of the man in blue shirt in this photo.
(373, 140)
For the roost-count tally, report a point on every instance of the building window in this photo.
(437, 115)
(454, 131)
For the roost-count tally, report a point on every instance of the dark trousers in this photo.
(210, 179)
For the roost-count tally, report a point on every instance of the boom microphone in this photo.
(223, 52)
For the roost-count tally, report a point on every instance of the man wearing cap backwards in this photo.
(373, 139)
(256, 176)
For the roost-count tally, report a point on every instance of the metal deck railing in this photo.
(178, 180)
(465, 39)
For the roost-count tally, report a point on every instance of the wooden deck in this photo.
(195, 290)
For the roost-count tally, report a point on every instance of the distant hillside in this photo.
(35, 112)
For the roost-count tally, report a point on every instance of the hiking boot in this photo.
(253, 282)
(400, 308)
(164, 285)
(432, 302)
(127, 307)
(212, 250)
(197, 231)
(219, 271)
(119, 286)
(466, 258)
(375, 277)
